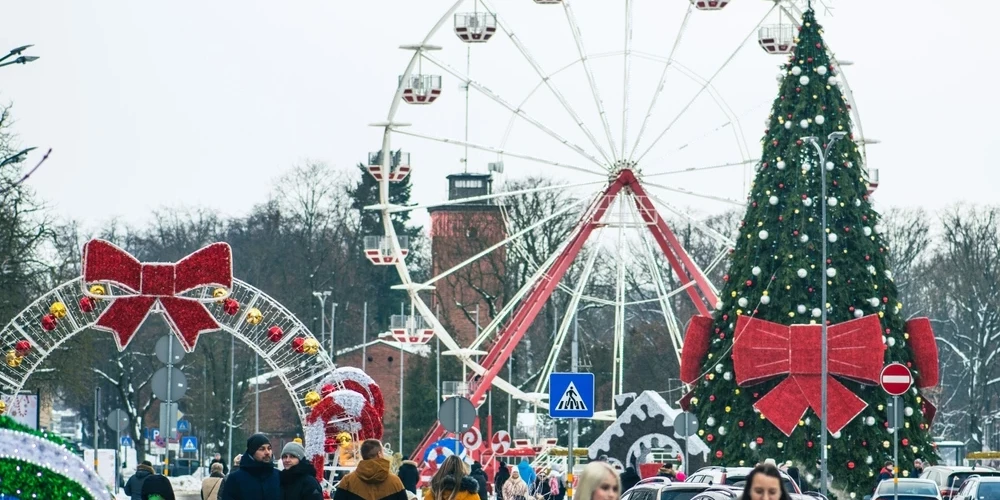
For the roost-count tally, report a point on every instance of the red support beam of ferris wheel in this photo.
(514, 331)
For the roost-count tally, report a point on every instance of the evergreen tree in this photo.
(775, 274)
(378, 280)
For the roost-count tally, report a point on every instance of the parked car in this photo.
(950, 478)
(979, 488)
(663, 489)
(908, 489)
(735, 476)
(728, 492)
(180, 467)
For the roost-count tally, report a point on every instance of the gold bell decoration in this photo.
(97, 290)
(312, 398)
(13, 360)
(254, 316)
(310, 346)
(344, 438)
(3, 407)
(58, 309)
(219, 293)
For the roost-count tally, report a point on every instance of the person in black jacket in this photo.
(133, 487)
(479, 475)
(409, 475)
(629, 478)
(298, 480)
(503, 474)
(218, 460)
(256, 479)
(159, 486)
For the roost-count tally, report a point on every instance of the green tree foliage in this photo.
(779, 242)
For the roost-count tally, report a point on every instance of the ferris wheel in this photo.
(635, 109)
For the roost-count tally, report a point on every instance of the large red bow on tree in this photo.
(157, 282)
(762, 350)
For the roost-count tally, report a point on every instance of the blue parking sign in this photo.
(571, 395)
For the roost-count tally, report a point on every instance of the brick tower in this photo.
(457, 233)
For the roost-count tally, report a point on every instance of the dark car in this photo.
(661, 490)
(728, 492)
(734, 476)
(180, 467)
(950, 478)
(979, 487)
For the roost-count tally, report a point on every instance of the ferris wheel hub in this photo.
(621, 165)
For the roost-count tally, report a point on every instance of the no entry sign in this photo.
(896, 379)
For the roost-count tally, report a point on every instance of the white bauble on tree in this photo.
(781, 165)
(833, 80)
(891, 341)
(718, 369)
(719, 305)
(722, 430)
(869, 421)
(762, 234)
(727, 375)
(908, 411)
(821, 70)
(832, 201)
(788, 125)
(829, 165)
(858, 313)
(780, 76)
(832, 237)
(802, 273)
(873, 301)
(796, 70)
(755, 271)
(753, 445)
(804, 238)
(801, 309)
(804, 123)
(765, 300)
(710, 421)
(816, 312)
(831, 272)
(806, 166)
(819, 119)
(773, 200)
(804, 80)
(742, 302)
(867, 230)
(807, 202)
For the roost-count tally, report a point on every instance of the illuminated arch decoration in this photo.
(196, 295)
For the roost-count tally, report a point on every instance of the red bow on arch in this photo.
(763, 350)
(157, 282)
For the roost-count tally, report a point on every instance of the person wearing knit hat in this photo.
(298, 479)
(256, 478)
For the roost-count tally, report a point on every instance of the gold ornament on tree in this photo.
(254, 316)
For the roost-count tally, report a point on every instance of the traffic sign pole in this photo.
(895, 449)
(895, 379)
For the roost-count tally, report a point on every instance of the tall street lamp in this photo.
(322, 307)
(823, 153)
(17, 52)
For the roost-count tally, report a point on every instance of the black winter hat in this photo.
(255, 442)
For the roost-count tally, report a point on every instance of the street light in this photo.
(823, 153)
(16, 157)
(322, 307)
(17, 52)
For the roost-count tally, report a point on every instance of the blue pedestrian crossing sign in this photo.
(183, 426)
(189, 444)
(571, 395)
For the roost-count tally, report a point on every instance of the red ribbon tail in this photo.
(784, 405)
(124, 316)
(843, 407)
(188, 318)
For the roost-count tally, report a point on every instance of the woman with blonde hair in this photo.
(453, 482)
(599, 481)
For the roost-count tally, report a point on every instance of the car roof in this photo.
(963, 468)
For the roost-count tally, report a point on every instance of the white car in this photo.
(979, 488)
(908, 489)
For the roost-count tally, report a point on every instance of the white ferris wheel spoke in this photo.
(617, 372)
(502, 194)
(501, 243)
(707, 84)
(578, 38)
(661, 291)
(547, 81)
(491, 149)
(628, 72)
(543, 380)
(692, 193)
(699, 169)
(663, 81)
(520, 112)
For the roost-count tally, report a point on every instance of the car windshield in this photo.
(908, 488)
(678, 494)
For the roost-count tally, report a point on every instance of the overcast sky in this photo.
(184, 103)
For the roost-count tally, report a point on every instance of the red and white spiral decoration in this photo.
(358, 381)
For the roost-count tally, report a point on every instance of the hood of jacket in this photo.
(251, 465)
(408, 463)
(373, 470)
(469, 484)
(303, 468)
(143, 470)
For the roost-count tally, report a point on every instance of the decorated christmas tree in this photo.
(754, 367)
(41, 465)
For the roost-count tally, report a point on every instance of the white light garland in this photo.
(315, 438)
(46, 454)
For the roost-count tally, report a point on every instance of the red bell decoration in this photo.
(231, 306)
(298, 344)
(49, 322)
(275, 333)
(86, 304)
